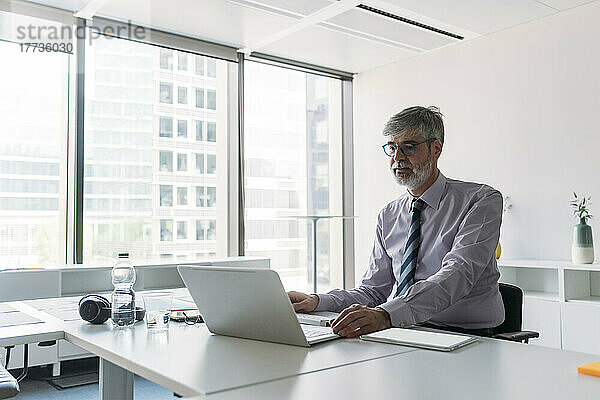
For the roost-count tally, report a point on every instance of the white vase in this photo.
(582, 255)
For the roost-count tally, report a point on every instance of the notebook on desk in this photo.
(422, 339)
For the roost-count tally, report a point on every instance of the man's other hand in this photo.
(303, 302)
(359, 320)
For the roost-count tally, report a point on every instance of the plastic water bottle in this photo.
(123, 297)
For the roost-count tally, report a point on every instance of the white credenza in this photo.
(561, 301)
(77, 280)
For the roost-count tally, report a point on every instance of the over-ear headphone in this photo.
(96, 309)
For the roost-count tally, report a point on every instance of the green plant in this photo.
(581, 207)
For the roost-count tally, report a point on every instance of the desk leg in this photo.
(56, 369)
(116, 383)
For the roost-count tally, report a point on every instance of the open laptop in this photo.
(248, 303)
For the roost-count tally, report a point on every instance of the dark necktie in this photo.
(411, 251)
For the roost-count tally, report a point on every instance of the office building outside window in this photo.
(137, 145)
(292, 170)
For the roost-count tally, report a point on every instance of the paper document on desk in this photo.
(6, 308)
(422, 339)
(67, 314)
(17, 318)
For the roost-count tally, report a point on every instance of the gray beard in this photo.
(417, 178)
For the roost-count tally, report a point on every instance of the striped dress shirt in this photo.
(456, 277)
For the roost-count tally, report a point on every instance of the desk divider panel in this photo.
(82, 281)
(29, 284)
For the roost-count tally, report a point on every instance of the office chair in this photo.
(8, 384)
(510, 329)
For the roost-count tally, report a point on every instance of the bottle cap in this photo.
(123, 255)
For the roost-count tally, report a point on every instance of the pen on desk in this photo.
(184, 309)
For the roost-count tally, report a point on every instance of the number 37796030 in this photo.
(40, 47)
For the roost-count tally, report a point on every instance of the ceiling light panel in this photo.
(323, 46)
(390, 29)
(564, 4)
(481, 16)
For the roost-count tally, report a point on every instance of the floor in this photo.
(36, 386)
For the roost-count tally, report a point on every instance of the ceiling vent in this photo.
(409, 21)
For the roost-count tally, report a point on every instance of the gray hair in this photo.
(424, 120)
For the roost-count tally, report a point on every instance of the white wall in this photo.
(522, 112)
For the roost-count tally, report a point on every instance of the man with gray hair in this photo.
(436, 243)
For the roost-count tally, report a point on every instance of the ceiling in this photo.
(331, 33)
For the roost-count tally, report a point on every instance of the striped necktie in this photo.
(411, 251)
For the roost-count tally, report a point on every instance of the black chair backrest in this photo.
(512, 296)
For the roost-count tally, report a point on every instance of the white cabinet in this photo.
(581, 327)
(561, 301)
(542, 316)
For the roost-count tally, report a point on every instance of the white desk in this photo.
(50, 329)
(490, 369)
(190, 361)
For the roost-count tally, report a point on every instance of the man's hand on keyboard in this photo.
(359, 320)
(303, 302)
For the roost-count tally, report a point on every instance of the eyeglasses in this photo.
(192, 320)
(407, 148)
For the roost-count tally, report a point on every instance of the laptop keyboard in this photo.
(311, 332)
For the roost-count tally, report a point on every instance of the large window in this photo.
(33, 131)
(157, 153)
(137, 145)
(293, 170)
